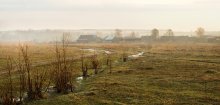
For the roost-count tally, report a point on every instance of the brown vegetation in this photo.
(62, 72)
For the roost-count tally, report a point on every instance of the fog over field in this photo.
(44, 20)
(53, 35)
(109, 52)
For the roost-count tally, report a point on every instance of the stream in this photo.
(51, 89)
(136, 56)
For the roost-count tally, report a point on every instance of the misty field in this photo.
(166, 74)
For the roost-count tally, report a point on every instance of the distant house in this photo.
(165, 39)
(218, 39)
(213, 39)
(182, 38)
(131, 39)
(174, 38)
(111, 38)
(147, 38)
(88, 39)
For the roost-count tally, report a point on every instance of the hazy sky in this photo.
(179, 15)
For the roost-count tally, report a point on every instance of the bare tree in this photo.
(98, 33)
(133, 35)
(109, 62)
(154, 33)
(170, 35)
(34, 82)
(95, 63)
(62, 73)
(7, 88)
(200, 32)
(27, 68)
(22, 78)
(85, 71)
(169, 32)
(10, 68)
(118, 33)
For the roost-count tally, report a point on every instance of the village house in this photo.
(88, 39)
(112, 39)
(147, 39)
(131, 39)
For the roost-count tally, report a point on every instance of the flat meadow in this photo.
(166, 73)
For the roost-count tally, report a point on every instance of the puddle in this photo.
(93, 50)
(18, 100)
(136, 55)
(51, 89)
(79, 80)
(116, 61)
(90, 50)
(107, 52)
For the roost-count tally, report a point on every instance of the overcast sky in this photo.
(181, 15)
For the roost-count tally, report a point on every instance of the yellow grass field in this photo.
(167, 74)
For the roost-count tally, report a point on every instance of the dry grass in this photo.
(167, 74)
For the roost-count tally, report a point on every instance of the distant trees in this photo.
(133, 35)
(118, 33)
(200, 32)
(169, 35)
(155, 33)
(169, 32)
(98, 33)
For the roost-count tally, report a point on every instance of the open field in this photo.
(183, 74)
